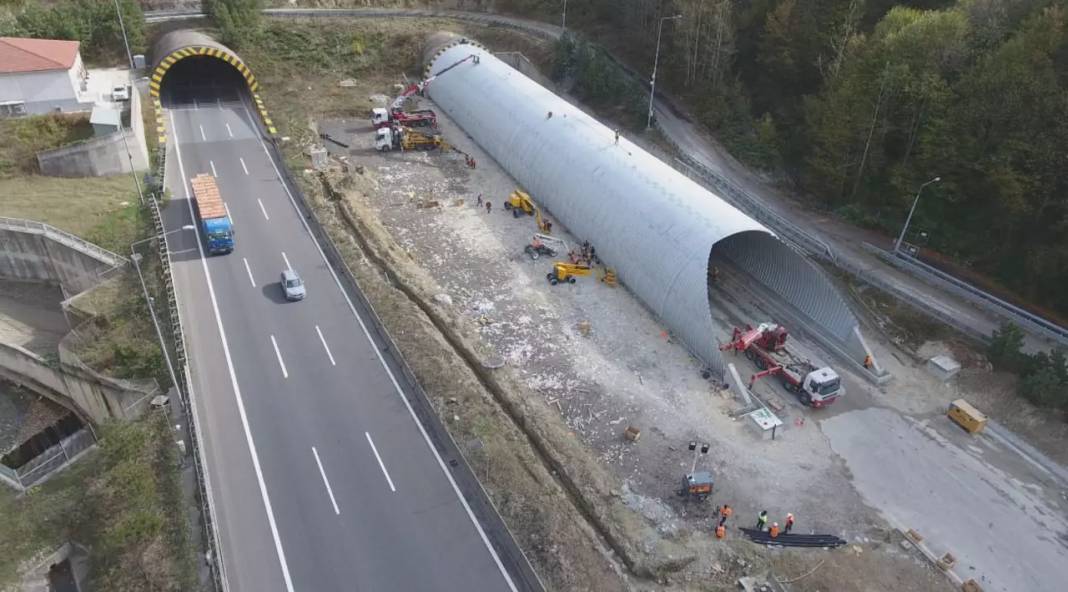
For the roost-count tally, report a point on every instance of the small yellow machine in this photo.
(520, 202)
(966, 416)
(566, 272)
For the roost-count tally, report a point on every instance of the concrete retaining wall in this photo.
(74, 386)
(31, 251)
(101, 156)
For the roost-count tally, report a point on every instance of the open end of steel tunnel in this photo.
(201, 78)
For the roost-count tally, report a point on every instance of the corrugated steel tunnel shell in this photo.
(656, 227)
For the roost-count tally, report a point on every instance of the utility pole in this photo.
(901, 237)
(656, 61)
(125, 40)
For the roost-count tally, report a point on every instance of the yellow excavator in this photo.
(567, 272)
(520, 202)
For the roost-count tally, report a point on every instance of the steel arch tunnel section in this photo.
(660, 230)
(196, 54)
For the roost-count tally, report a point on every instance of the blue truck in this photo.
(215, 224)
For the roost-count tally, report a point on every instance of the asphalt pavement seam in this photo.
(233, 376)
(396, 385)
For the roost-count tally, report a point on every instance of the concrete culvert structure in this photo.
(662, 232)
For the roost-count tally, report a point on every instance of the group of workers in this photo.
(726, 511)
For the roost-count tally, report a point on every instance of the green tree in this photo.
(1005, 348)
(92, 22)
(237, 20)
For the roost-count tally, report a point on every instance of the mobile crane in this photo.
(396, 115)
(766, 347)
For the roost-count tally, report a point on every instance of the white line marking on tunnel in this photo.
(213, 173)
(396, 385)
(229, 131)
(263, 209)
(326, 482)
(285, 373)
(286, 259)
(202, 136)
(233, 375)
(243, 167)
(325, 346)
(380, 463)
(249, 270)
(227, 208)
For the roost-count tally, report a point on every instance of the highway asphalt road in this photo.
(321, 478)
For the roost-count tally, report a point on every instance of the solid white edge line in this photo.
(249, 270)
(393, 379)
(263, 209)
(215, 174)
(285, 373)
(229, 131)
(202, 136)
(380, 463)
(243, 167)
(286, 259)
(325, 346)
(233, 375)
(326, 481)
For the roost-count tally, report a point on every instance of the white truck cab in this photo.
(379, 117)
(383, 139)
(822, 387)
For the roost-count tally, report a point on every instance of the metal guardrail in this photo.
(984, 300)
(185, 394)
(63, 237)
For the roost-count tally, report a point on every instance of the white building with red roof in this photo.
(41, 76)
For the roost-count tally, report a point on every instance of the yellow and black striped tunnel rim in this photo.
(177, 55)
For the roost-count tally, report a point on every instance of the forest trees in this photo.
(92, 22)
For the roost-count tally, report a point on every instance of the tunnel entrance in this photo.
(200, 79)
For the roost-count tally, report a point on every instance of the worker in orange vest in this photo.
(789, 523)
(868, 362)
(725, 513)
(721, 531)
(774, 532)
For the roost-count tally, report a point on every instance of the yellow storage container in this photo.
(968, 417)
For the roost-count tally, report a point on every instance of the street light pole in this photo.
(656, 61)
(901, 237)
(125, 41)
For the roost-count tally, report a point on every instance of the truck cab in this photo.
(219, 235)
(380, 117)
(384, 139)
(821, 387)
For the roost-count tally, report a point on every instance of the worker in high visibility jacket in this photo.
(725, 513)
(774, 532)
(721, 531)
(789, 523)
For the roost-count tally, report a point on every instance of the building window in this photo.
(12, 109)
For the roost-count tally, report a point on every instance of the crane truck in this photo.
(212, 215)
(396, 115)
(766, 347)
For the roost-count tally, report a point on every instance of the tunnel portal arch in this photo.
(178, 45)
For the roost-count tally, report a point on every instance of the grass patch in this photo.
(122, 501)
(25, 137)
(76, 205)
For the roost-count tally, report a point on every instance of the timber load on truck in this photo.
(766, 346)
(213, 218)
